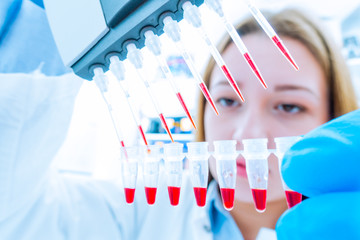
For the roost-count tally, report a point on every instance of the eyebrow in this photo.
(220, 83)
(278, 88)
(293, 88)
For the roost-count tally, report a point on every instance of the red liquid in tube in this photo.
(174, 195)
(150, 193)
(129, 195)
(259, 196)
(293, 198)
(227, 195)
(200, 196)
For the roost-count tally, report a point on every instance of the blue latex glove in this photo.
(325, 166)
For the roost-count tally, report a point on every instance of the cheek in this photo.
(216, 127)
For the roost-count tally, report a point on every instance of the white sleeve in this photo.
(35, 112)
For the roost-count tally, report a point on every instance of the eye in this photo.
(228, 102)
(290, 108)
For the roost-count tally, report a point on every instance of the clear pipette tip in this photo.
(135, 58)
(216, 6)
(208, 97)
(277, 41)
(192, 15)
(271, 33)
(185, 109)
(153, 43)
(171, 28)
(254, 68)
(232, 82)
(163, 121)
(117, 68)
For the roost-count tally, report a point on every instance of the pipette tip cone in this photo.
(284, 51)
(163, 121)
(143, 135)
(182, 102)
(254, 69)
(208, 97)
(232, 82)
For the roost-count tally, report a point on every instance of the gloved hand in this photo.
(325, 166)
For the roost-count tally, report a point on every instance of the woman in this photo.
(293, 104)
(37, 203)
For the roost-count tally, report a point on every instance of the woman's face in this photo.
(294, 103)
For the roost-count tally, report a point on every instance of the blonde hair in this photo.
(294, 24)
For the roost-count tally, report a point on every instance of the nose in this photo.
(253, 124)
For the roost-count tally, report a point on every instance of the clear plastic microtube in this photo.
(102, 82)
(256, 154)
(270, 32)
(198, 155)
(130, 157)
(192, 15)
(173, 156)
(225, 155)
(282, 145)
(151, 167)
(172, 30)
(216, 6)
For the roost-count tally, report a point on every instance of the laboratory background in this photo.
(92, 148)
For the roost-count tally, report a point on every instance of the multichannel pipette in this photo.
(102, 83)
(192, 15)
(117, 68)
(135, 57)
(153, 43)
(172, 30)
(217, 7)
(271, 33)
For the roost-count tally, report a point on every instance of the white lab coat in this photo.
(37, 202)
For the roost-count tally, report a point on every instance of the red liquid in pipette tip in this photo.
(293, 198)
(200, 196)
(150, 193)
(227, 195)
(255, 70)
(206, 93)
(185, 108)
(142, 134)
(174, 195)
(259, 196)
(129, 195)
(283, 49)
(232, 82)
(163, 121)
